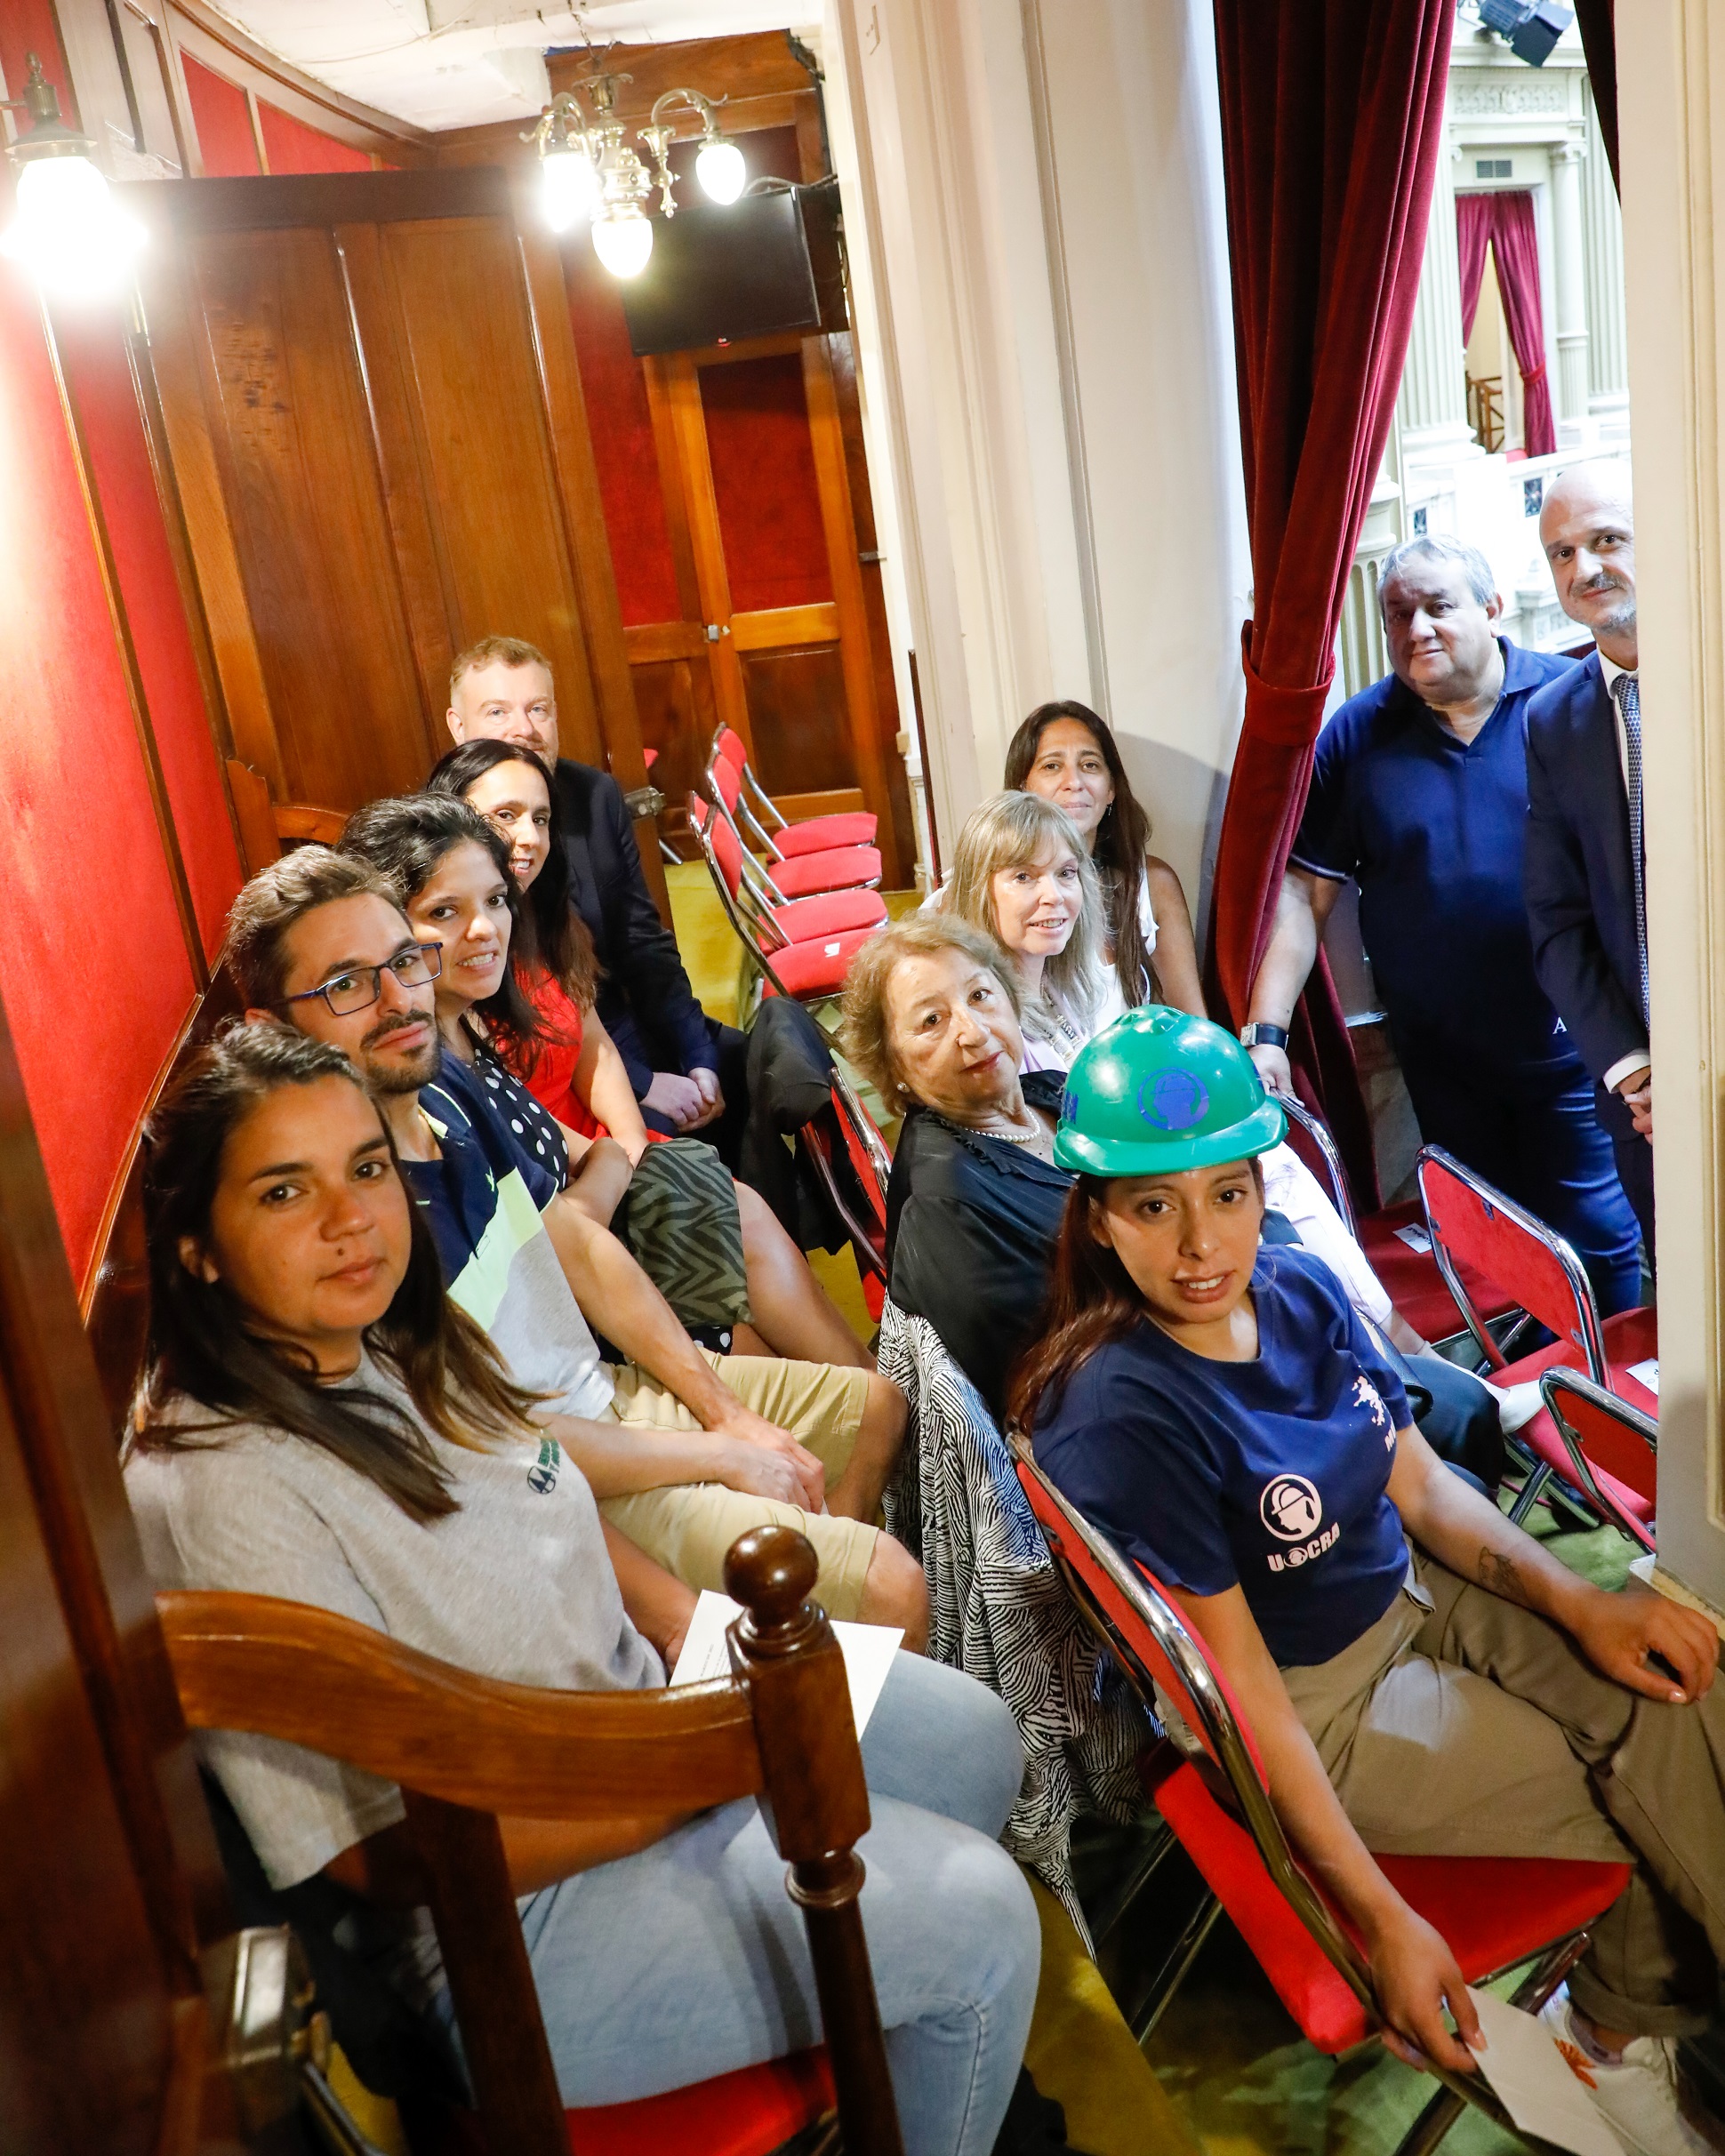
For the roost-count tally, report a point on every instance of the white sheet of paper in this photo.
(1416, 1238)
(1526, 2068)
(868, 1650)
(1647, 1374)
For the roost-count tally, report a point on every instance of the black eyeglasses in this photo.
(360, 988)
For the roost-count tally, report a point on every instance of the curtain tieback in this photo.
(1533, 374)
(1289, 718)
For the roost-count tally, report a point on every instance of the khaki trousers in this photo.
(1463, 1726)
(688, 1527)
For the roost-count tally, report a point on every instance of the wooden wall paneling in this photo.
(578, 489)
(752, 64)
(425, 580)
(294, 447)
(85, 2038)
(53, 1404)
(676, 378)
(841, 356)
(874, 747)
(157, 85)
(134, 681)
(485, 447)
(148, 392)
(178, 358)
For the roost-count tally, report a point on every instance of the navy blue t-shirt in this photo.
(1433, 829)
(527, 1132)
(1270, 1475)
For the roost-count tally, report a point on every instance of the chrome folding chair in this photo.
(810, 873)
(781, 839)
(1612, 1448)
(1395, 1239)
(1496, 1913)
(1477, 1232)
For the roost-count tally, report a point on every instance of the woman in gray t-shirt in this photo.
(317, 1421)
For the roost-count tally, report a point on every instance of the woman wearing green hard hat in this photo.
(1400, 1649)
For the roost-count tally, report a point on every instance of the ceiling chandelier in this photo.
(68, 232)
(587, 171)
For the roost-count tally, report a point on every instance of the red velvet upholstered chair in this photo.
(1478, 1233)
(465, 1749)
(1495, 1912)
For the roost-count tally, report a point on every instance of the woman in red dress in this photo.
(575, 1071)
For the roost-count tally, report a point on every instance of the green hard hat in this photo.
(1160, 1092)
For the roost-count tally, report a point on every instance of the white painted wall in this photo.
(1038, 184)
(1138, 153)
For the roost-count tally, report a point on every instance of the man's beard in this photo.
(1622, 614)
(401, 1074)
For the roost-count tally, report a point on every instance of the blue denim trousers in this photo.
(689, 1959)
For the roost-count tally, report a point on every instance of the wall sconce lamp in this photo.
(69, 233)
(588, 171)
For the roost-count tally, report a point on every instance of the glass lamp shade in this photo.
(70, 232)
(570, 187)
(720, 169)
(623, 240)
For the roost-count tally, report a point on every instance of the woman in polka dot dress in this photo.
(713, 1248)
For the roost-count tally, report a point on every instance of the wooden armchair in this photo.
(465, 1749)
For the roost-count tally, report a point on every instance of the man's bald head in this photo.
(1587, 528)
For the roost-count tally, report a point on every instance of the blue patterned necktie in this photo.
(1627, 690)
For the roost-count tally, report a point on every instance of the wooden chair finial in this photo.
(772, 1571)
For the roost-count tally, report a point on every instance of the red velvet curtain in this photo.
(1504, 222)
(1596, 21)
(1472, 238)
(1332, 113)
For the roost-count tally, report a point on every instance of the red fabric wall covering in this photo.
(769, 506)
(94, 969)
(1332, 113)
(621, 423)
(95, 362)
(26, 26)
(225, 140)
(293, 146)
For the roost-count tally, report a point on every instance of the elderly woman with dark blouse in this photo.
(975, 1201)
(931, 1020)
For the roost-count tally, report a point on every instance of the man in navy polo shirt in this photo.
(1419, 792)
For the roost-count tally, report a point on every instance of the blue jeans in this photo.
(1549, 1154)
(689, 1959)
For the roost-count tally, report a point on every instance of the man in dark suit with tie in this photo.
(1586, 856)
(688, 1072)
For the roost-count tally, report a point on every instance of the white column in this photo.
(1432, 407)
(1671, 82)
(1569, 295)
(1608, 338)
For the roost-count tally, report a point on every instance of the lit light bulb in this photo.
(571, 187)
(720, 169)
(69, 233)
(622, 240)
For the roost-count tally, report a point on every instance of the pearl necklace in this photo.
(1006, 1137)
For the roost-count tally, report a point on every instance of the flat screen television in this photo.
(756, 268)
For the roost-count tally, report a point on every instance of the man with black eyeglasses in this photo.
(685, 1452)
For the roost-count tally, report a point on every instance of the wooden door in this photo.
(752, 454)
(375, 420)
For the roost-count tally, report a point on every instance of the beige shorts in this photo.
(690, 1527)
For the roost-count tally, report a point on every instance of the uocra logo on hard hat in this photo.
(1160, 1092)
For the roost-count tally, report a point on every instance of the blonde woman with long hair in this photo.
(1022, 873)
